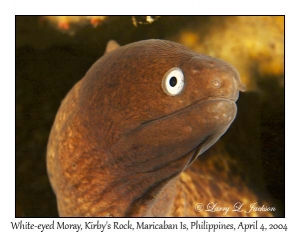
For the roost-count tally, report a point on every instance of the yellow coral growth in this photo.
(253, 44)
(65, 22)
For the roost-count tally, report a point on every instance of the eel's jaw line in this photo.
(198, 151)
(185, 108)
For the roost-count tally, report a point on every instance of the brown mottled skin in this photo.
(120, 146)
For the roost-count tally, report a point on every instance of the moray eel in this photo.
(128, 130)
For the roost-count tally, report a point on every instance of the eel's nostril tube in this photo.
(242, 87)
(216, 83)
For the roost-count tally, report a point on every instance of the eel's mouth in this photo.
(179, 137)
(211, 139)
(199, 102)
(207, 99)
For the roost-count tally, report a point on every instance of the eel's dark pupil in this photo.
(173, 81)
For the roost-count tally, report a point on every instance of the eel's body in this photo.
(126, 133)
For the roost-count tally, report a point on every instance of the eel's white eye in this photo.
(173, 81)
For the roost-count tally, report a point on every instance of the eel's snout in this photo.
(219, 78)
(227, 84)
